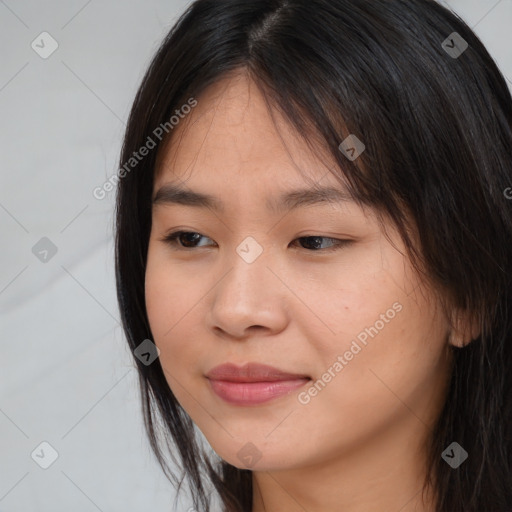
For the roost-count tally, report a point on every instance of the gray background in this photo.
(66, 375)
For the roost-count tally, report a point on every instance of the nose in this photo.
(250, 299)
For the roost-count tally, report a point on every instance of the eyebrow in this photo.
(171, 193)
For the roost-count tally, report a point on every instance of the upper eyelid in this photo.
(173, 237)
(184, 231)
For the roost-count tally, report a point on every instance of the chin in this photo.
(249, 455)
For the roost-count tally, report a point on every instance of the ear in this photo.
(464, 328)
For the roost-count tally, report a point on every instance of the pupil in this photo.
(314, 241)
(189, 236)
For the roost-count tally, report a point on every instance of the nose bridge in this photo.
(249, 275)
(249, 294)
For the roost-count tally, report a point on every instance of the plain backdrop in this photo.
(66, 375)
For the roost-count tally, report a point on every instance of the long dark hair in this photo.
(437, 127)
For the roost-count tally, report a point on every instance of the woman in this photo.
(313, 257)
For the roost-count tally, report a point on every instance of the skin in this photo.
(357, 445)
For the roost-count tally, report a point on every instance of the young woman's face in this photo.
(365, 341)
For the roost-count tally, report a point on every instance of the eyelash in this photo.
(172, 240)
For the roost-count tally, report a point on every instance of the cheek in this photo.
(344, 299)
(162, 305)
(166, 293)
(388, 329)
(172, 300)
(397, 376)
(385, 364)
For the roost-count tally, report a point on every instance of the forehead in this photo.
(232, 134)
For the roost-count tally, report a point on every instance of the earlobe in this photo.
(464, 329)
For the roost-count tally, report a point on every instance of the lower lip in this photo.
(254, 393)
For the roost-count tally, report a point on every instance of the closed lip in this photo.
(251, 372)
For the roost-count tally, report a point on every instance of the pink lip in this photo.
(253, 383)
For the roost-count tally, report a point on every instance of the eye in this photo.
(313, 243)
(188, 240)
(183, 239)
